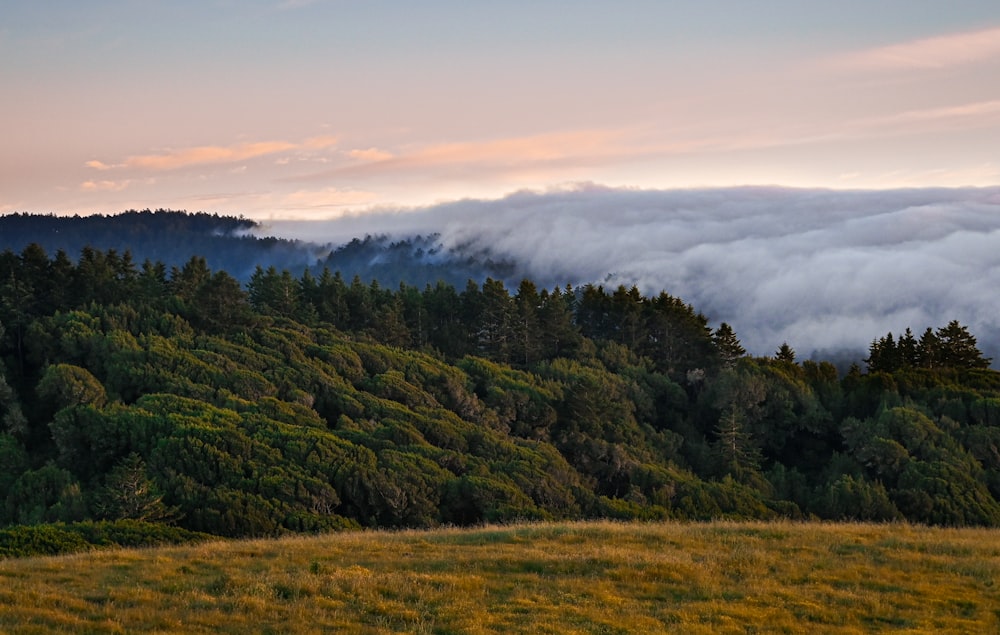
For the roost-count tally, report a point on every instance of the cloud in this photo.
(371, 154)
(203, 155)
(941, 52)
(489, 158)
(821, 269)
(330, 197)
(970, 114)
(104, 186)
(185, 157)
(97, 165)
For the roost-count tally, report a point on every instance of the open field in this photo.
(721, 577)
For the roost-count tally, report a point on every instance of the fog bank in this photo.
(820, 269)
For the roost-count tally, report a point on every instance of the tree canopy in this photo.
(175, 395)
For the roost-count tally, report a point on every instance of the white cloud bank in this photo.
(820, 269)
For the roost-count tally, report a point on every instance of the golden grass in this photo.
(602, 577)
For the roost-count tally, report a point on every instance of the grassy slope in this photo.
(548, 578)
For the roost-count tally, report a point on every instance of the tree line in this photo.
(176, 396)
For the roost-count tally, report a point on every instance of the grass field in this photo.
(720, 577)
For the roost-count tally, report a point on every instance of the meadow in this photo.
(592, 577)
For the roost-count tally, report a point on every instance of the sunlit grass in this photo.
(547, 578)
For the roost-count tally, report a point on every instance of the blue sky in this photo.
(309, 109)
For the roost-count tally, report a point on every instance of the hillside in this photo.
(238, 245)
(549, 578)
(306, 404)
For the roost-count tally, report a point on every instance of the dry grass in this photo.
(548, 578)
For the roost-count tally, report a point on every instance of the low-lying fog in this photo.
(821, 269)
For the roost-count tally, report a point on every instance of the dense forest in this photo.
(236, 245)
(178, 397)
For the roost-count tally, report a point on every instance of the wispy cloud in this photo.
(105, 186)
(327, 198)
(981, 114)
(489, 159)
(371, 154)
(944, 51)
(98, 165)
(204, 155)
(976, 110)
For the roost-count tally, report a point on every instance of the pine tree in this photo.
(734, 447)
(929, 350)
(727, 345)
(785, 353)
(906, 349)
(129, 493)
(526, 347)
(958, 347)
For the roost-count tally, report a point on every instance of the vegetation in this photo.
(236, 246)
(179, 397)
(719, 577)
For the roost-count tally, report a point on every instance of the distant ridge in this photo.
(168, 236)
(237, 245)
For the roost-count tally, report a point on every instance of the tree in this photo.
(129, 493)
(907, 349)
(446, 329)
(221, 305)
(186, 281)
(951, 346)
(495, 320)
(65, 385)
(785, 353)
(17, 300)
(929, 350)
(882, 355)
(679, 339)
(526, 347)
(273, 293)
(152, 287)
(734, 447)
(958, 347)
(727, 345)
(628, 307)
(12, 419)
(360, 305)
(560, 337)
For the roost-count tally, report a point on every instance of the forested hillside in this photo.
(166, 236)
(237, 245)
(176, 395)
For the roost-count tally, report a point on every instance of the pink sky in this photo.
(300, 109)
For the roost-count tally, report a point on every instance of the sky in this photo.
(812, 172)
(314, 109)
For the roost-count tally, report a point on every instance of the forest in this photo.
(237, 245)
(147, 403)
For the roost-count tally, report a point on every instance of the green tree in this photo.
(958, 347)
(128, 492)
(11, 415)
(785, 353)
(48, 494)
(221, 305)
(727, 345)
(526, 347)
(559, 335)
(494, 328)
(65, 385)
(734, 447)
(929, 350)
